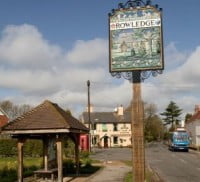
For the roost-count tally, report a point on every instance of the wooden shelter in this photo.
(47, 122)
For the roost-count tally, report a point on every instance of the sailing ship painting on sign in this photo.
(136, 40)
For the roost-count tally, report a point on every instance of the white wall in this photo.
(123, 133)
(194, 130)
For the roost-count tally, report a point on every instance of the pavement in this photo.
(111, 171)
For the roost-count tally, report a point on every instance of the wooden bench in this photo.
(46, 173)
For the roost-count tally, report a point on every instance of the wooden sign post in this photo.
(135, 53)
(138, 154)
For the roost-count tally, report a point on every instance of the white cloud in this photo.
(29, 81)
(32, 65)
(111, 96)
(37, 70)
(186, 76)
(24, 46)
(89, 52)
(181, 84)
(173, 57)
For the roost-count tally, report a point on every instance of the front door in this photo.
(105, 142)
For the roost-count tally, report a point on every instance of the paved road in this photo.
(112, 154)
(170, 166)
(174, 166)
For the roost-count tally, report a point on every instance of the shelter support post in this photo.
(77, 136)
(20, 144)
(45, 153)
(59, 158)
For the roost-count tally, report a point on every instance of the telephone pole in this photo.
(89, 119)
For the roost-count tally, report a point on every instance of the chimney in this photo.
(183, 123)
(197, 109)
(91, 108)
(120, 111)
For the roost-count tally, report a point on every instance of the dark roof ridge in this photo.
(54, 106)
(60, 112)
(34, 109)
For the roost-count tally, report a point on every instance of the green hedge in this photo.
(8, 147)
(32, 148)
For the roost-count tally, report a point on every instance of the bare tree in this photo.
(13, 110)
(154, 129)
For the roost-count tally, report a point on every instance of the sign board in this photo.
(135, 40)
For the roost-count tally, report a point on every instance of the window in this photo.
(115, 127)
(94, 126)
(94, 140)
(104, 127)
(115, 140)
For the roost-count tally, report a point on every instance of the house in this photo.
(193, 127)
(3, 118)
(109, 129)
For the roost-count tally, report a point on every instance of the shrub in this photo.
(32, 148)
(88, 163)
(69, 166)
(8, 175)
(8, 147)
(68, 148)
(84, 154)
(28, 171)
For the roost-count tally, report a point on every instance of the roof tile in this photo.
(47, 115)
(107, 117)
(194, 117)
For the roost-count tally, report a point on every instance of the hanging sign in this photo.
(135, 40)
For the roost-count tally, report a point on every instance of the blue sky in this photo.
(49, 49)
(64, 22)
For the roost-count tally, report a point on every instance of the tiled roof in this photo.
(47, 115)
(107, 117)
(194, 117)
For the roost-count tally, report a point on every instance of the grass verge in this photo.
(149, 175)
(8, 167)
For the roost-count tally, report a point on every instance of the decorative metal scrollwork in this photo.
(147, 74)
(134, 4)
(126, 75)
(143, 74)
